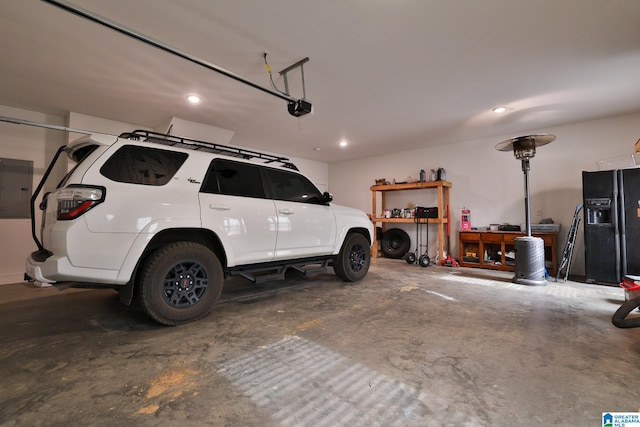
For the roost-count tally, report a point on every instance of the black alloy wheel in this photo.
(185, 284)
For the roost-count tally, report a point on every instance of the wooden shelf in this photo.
(411, 186)
(411, 220)
(475, 241)
(442, 189)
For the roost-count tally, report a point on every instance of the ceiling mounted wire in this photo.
(76, 10)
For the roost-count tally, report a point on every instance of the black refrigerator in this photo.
(611, 201)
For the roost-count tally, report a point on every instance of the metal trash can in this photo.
(529, 261)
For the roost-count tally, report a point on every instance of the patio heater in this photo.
(529, 250)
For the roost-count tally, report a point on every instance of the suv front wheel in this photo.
(180, 283)
(354, 258)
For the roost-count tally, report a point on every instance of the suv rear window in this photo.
(143, 165)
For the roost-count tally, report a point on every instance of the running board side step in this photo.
(279, 274)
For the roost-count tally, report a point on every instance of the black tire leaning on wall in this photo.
(395, 243)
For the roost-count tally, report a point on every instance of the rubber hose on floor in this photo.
(618, 318)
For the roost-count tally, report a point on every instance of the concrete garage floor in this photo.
(407, 346)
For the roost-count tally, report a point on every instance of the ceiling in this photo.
(386, 75)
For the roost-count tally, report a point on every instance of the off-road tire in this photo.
(395, 243)
(179, 283)
(354, 258)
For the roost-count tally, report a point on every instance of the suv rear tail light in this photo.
(74, 201)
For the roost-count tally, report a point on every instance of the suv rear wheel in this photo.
(179, 283)
(354, 258)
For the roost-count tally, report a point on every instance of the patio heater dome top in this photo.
(524, 147)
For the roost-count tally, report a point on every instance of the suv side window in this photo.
(233, 179)
(142, 165)
(292, 187)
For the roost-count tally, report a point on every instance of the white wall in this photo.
(97, 124)
(491, 183)
(38, 145)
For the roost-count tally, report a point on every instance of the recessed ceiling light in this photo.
(499, 110)
(194, 99)
(316, 149)
(344, 143)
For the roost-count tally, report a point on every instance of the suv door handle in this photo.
(219, 207)
(286, 211)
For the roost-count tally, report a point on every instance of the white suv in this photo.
(166, 219)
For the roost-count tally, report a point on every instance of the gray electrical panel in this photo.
(16, 181)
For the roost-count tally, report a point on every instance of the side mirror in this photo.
(327, 197)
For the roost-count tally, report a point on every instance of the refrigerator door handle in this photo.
(622, 227)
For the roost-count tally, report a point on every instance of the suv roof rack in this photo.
(210, 147)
